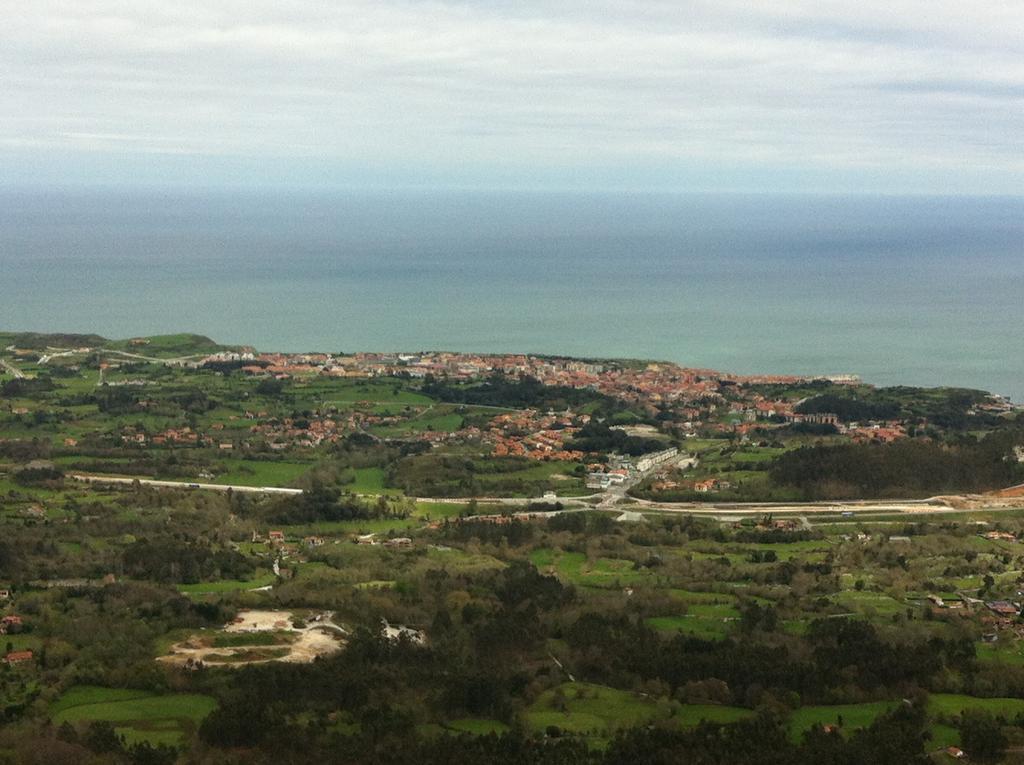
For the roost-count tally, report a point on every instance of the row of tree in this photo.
(908, 467)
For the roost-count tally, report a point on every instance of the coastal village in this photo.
(691, 403)
(537, 435)
(677, 410)
(206, 508)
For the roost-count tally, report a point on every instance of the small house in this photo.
(1003, 608)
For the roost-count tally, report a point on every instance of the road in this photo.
(154, 359)
(877, 506)
(613, 495)
(118, 481)
(612, 501)
(47, 357)
(13, 370)
(53, 353)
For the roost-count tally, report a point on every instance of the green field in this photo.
(1006, 653)
(467, 473)
(437, 510)
(690, 715)
(574, 567)
(262, 473)
(138, 715)
(477, 726)
(868, 602)
(21, 642)
(227, 585)
(344, 393)
(945, 708)
(168, 346)
(377, 526)
(695, 626)
(713, 611)
(942, 736)
(596, 710)
(369, 481)
(592, 709)
(691, 596)
(853, 716)
(950, 705)
(439, 419)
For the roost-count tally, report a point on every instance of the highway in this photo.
(615, 500)
(11, 369)
(118, 481)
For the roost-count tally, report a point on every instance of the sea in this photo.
(900, 290)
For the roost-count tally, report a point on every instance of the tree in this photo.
(982, 736)
(270, 387)
(101, 737)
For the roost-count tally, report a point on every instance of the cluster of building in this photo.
(688, 400)
(371, 539)
(648, 384)
(276, 432)
(280, 433)
(649, 461)
(621, 468)
(884, 432)
(535, 435)
(704, 486)
(183, 436)
(995, 404)
(605, 479)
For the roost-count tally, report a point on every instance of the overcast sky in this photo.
(815, 95)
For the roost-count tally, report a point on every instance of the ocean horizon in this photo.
(899, 290)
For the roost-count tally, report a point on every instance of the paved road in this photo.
(157, 360)
(17, 373)
(609, 501)
(114, 480)
(59, 352)
(46, 358)
(890, 505)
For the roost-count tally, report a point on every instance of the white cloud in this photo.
(892, 84)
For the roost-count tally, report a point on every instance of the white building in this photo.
(649, 461)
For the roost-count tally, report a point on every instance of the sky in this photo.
(887, 96)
